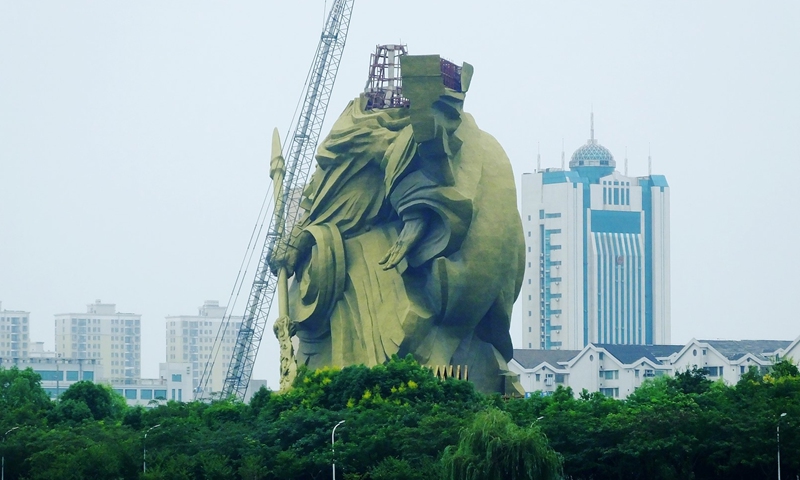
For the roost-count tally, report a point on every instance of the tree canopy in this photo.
(403, 423)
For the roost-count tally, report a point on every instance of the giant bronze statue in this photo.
(409, 239)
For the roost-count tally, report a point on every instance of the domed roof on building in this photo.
(592, 154)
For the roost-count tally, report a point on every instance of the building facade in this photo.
(58, 374)
(617, 370)
(597, 267)
(191, 339)
(792, 352)
(14, 333)
(112, 338)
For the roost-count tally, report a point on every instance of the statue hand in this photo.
(412, 232)
(291, 256)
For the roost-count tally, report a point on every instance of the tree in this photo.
(22, 398)
(785, 368)
(494, 448)
(692, 380)
(101, 401)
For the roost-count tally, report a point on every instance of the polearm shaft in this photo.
(277, 170)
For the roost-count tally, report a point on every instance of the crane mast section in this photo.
(299, 154)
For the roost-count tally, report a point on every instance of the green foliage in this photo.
(22, 399)
(99, 400)
(391, 468)
(785, 368)
(399, 420)
(494, 448)
(692, 380)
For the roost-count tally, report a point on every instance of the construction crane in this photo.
(299, 152)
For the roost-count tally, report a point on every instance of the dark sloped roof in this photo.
(529, 358)
(632, 353)
(735, 349)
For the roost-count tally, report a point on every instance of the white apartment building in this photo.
(14, 333)
(728, 359)
(57, 373)
(597, 266)
(112, 338)
(174, 382)
(191, 339)
(792, 352)
(617, 370)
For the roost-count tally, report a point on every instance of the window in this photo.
(713, 371)
(72, 375)
(160, 394)
(537, 377)
(130, 393)
(649, 373)
(146, 394)
(176, 377)
(610, 392)
(51, 375)
(609, 374)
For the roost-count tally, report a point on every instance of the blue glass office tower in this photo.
(597, 255)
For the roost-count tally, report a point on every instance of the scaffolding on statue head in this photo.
(451, 74)
(385, 86)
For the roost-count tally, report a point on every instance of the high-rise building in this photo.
(102, 333)
(191, 339)
(597, 267)
(14, 333)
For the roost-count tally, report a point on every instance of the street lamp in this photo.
(3, 468)
(779, 444)
(144, 449)
(333, 451)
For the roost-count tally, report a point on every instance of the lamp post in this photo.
(3, 468)
(534, 422)
(333, 450)
(58, 375)
(144, 448)
(779, 444)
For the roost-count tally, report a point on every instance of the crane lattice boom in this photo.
(299, 153)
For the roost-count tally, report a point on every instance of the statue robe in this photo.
(449, 301)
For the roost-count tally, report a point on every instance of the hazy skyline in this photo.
(134, 138)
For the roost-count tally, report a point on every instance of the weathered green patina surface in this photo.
(410, 240)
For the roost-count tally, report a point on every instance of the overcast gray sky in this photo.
(134, 138)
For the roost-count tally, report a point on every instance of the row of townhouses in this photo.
(617, 370)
